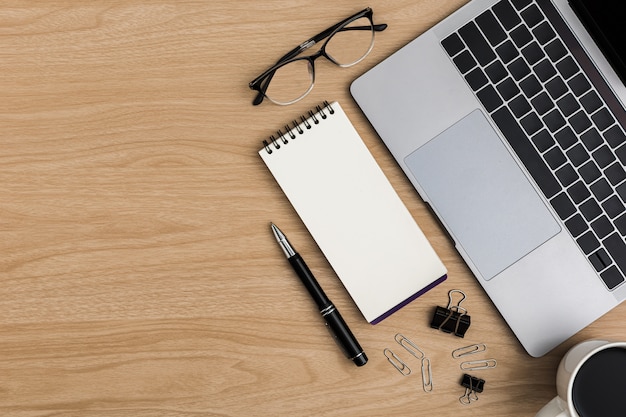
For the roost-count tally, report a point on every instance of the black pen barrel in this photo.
(309, 281)
(336, 324)
(343, 336)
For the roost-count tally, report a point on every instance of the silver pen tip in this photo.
(282, 241)
(277, 233)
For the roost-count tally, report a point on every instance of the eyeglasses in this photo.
(292, 77)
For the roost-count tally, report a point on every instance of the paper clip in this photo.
(452, 319)
(477, 365)
(397, 363)
(427, 375)
(468, 350)
(409, 346)
(472, 386)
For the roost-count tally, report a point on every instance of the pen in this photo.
(334, 322)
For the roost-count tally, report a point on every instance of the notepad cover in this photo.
(355, 216)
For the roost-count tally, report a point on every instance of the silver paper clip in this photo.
(427, 375)
(397, 363)
(477, 365)
(468, 350)
(409, 346)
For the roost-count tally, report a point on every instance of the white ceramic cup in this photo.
(563, 404)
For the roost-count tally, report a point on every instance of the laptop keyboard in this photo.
(556, 122)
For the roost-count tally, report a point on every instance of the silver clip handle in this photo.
(477, 365)
(397, 363)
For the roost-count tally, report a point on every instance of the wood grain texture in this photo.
(138, 274)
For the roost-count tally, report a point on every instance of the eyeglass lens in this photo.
(346, 47)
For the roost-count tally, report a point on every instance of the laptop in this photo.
(508, 119)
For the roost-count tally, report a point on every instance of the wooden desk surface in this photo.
(138, 274)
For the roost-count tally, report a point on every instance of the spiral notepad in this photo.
(343, 197)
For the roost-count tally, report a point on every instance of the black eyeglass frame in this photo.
(261, 83)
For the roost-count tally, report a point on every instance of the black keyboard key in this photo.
(613, 207)
(579, 85)
(576, 225)
(578, 192)
(555, 50)
(543, 140)
(588, 243)
(568, 104)
(621, 190)
(620, 223)
(556, 88)
(621, 154)
(521, 36)
(553, 120)
(566, 137)
(616, 247)
(578, 155)
(496, 72)
(507, 52)
(532, 16)
(508, 89)
(531, 123)
(542, 103)
(489, 97)
(591, 139)
(491, 28)
(600, 259)
(601, 189)
(476, 42)
(612, 277)
(453, 44)
(603, 156)
(555, 157)
(518, 69)
(520, 4)
(589, 172)
(533, 53)
(530, 86)
(519, 106)
(567, 67)
(591, 102)
(615, 137)
(545, 70)
(544, 33)
(563, 206)
(566, 175)
(506, 14)
(590, 209)
(526, 152)
(603, 119)
(615, 173)
(602, 227)
(476, 79)
(580, 122)
(464, 62)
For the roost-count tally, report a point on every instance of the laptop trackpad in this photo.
(482, 195)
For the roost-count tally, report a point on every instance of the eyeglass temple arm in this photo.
(306, 45)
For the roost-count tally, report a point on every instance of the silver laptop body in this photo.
(522, 236)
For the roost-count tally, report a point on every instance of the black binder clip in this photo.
(472, 386)
(452, 319)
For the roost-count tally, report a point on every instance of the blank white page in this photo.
(357, 219)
